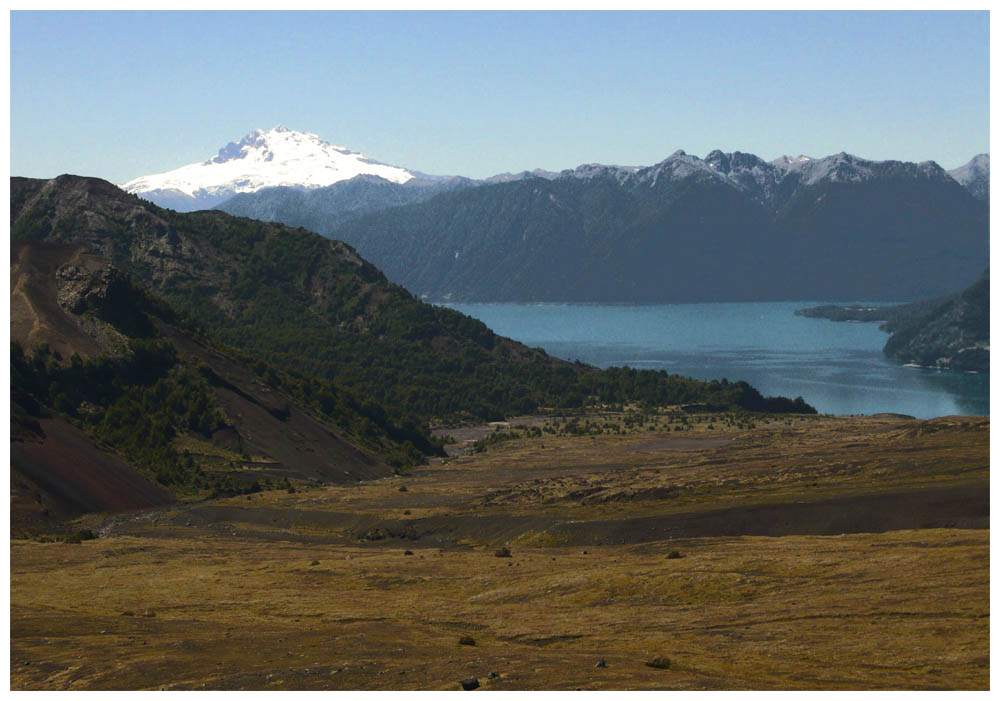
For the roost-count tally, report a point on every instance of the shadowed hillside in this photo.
(726, 228)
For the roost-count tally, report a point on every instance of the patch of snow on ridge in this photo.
(278, 157)
(842, 167)
(592, 170)
(788, 161)
(978, 167)
(677, 166)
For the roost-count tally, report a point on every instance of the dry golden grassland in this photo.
(829, 553)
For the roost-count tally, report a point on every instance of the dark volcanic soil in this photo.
(57, 471)
(956, 507)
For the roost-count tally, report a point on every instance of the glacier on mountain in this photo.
(274, 158)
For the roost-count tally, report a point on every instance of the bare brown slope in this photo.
(58, 473)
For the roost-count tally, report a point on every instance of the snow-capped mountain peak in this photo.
(272, 158)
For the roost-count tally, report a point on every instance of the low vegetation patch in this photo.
(80, 536)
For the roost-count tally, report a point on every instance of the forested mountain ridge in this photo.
(323, 209)
(952, 332)
(731, 227)
(115, 397)
(298, 300)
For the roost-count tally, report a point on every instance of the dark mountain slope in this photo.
(730, 227)
(323, 209)
(889, 230)
(569, 239)
(301, 301)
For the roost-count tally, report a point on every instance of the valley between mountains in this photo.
(246, 458)
(802, 553)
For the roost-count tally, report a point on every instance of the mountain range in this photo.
(729, 227)
(726, 227)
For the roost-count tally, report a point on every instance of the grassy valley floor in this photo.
(808, 553)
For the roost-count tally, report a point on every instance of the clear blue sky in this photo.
(118, 95)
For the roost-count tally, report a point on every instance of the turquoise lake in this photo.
(838, 367)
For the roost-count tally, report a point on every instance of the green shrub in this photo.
(659, 663)
(80, 536)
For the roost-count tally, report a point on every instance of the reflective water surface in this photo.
(838, 367)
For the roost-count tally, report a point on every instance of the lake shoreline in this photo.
(838, 368)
